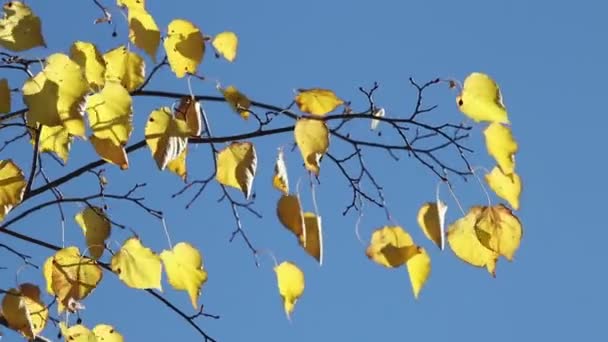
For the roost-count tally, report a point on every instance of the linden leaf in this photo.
(431, 218)
(280, 180)
(125, 67)
(96, 229)
(110, 152)
(501, 146)
(110, 113)
(391, 246)
(56, 95)
(499, 230)
(132, 4)
(507, 187)
(378, 113)
(184, 267)
(166, 136)
(5, 96)
(419, 270)
(20, 29)
(12, 186)
(237, 100)
(184, 46)
(47, 272)
(290, 215)
(55, 139)
(190, 111)
(317, 101)
(236, 166)
(89, 59)
(481, 99)
(178, 165)
(24, 311)
(290, 280)
(463, 240)
(137, 266)
(312, 239)
(73, 276)
(143, 31)
(225, 45)
(312, 137)
(76, 333)
(107, 333)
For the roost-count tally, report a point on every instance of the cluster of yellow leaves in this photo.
(80, 333)
(20, 28)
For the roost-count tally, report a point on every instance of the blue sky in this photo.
(550, 61)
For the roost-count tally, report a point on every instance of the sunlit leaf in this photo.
(166, 136)
(312, 137)
(76, 333)
(143, 31)
(20, 28)
(236, 166)
(55, 96)
(280, 180)
(125, 67)
(291, 216)
(178, 165)
(96, 229)
(24, 311)
(502, 146)
(499, 230)
(317, 101)
(107, 333)
(137, 266)
(419, 270)
(5, 96)
(54, 139)
(191, 112)
(89, 59)
(12, 186)
(110, 152)
(184, 267)
(312, 240)
(226, 44)
(110, 113)
(481, 99)
(132, 4)
(431, 218)
(507, 187)
(237, 100)
(290, 280)
(184, 46)
(391, 246)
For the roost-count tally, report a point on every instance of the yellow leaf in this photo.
(54, 139)
(5, 96)
(166, 136)
(20, 29)
(107, 333)
(184, 46)
(465, 244)
(131, 4)
(507, 187)
(178, 165)
(89, 59)
(431, 218)
(312, 137)
(499, 230)
(226, 44)
(481, 99)
(236, 166)
(290, 280)
(76, 333)
(110, 152)
(237, 100)
(12, 183)
(419, 270)
(73, 276)
(56, 95)
(391, 246)
(143, 31)
(312, 240)
(96, 229)
(502, 146)
(125, 67)
(184, 267)
(47, 272)
(317, 101)
(137, 266)
(280, 180)
(290, 215)
(190, 111)
(110, 113)
(24, 311)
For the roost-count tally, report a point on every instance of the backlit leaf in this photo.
(280, 180)
(12, 186)
(184, 268)
(290, 280)
(391, 246)
(291, 216)
(507, 187)
(110, 152)
(110, 113)
(317, 101)
(312, 137)
(226, 44)
(54, 139)
(137, 266)
(502, 146)
(499, 230)
(89, 59)
(96, 229)
(166, 136)
(431, 218)
(76, 333)
(55, 96)
(24, 311)
(312, 240)
(184, 46)
(481, 99)
(236, 166)
(143, 31)
(107, 333)
(125, 67)
(5, 96)
(237, 100)
(20, 28)
(419, 270)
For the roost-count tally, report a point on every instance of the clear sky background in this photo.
(550, 59)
